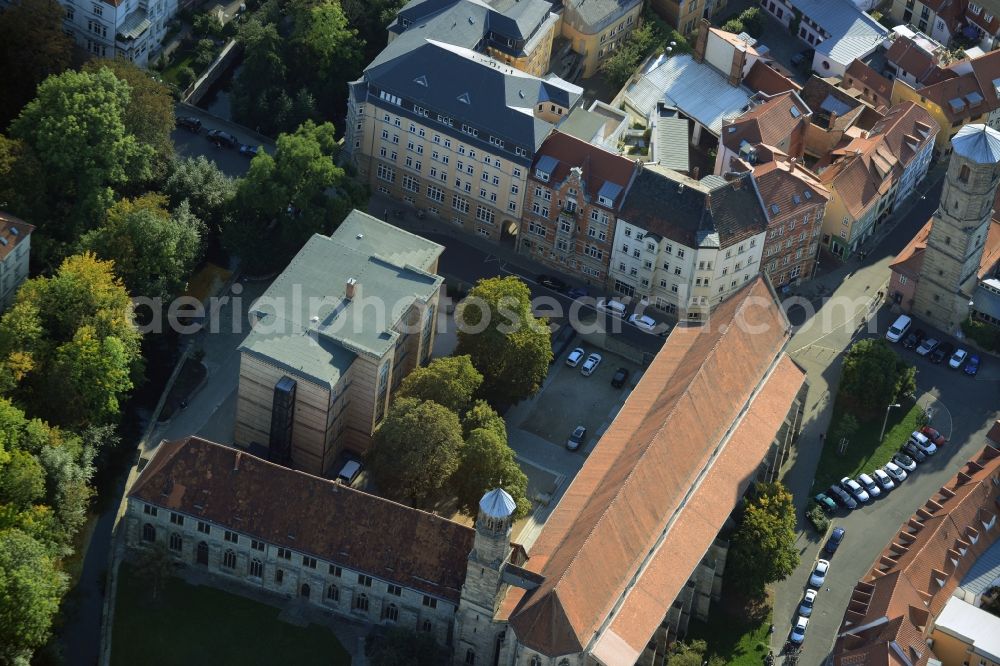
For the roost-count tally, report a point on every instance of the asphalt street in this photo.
(229, 161)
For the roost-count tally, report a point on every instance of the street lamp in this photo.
(885, 421)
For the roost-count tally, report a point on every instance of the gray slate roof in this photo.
(853, 34)
(305, 322)
(986, 570)
(696, 214)
(592, 15)
(978, 143)
(670, 140)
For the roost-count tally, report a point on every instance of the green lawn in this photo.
(183, 57)
(864, 452)
(199, 625)
(740, 642)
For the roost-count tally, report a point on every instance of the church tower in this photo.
(958, 229)
(477, 635)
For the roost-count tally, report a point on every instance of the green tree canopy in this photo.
(33, 46)
(326, 50)
(153, 250)
(201, 183)
(488, 463)
(507, 344)
(763, 547)
(417, 449)
(874, 376)
(68, 347)
(450, 381)
(31, 587)
(481, 415)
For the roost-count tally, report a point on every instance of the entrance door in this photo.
(201, 553)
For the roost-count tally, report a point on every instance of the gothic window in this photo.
(361, 602)
(332, 593)
(391, 613)
(176, 542)
(256, 568)
(229, 559)
(148, 533)
(470, 656)
(428, 627)
(963, 174)
(304, 590)
(536, 661)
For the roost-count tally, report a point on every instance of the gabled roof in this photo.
(646, 506)
(913, 59)
(589, 16)
(770, 121)
(786, 187)
(853, 34)
(13, 232)
(673, 206)
(861, 74)
(910, 259)
(560, 153)
(284, 507)
(764, 77)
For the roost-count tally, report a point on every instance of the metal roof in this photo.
(609, 190)
(546, 164)
(497, 504)
(853, 34)
(697, 89)
(670, 140)
(978, 143)
(134, 25)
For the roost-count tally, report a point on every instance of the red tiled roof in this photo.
(911, 581)
(910, 259)
(13, 231)
(780, 183)
(865, 76)
(598, 165)
(764, 77)
(772, 121)
(911, 58)
(307, 514)
(612, 548)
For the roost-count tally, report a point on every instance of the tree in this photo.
(402, 647)
(204, 52)
(68, 347)
(874, 376)
(22, 184)
(371, 20)
(507, 344)
(481, 415)
(417, 449)
(22, 482)
(734, 26)
(763, 547)
(326, 50)
(153, 251)
(201, 183)
(76, 128)
(149, 114)
(31, 587)
(154, 566)
(258, 90)
(488, 463)
(33, 46)
(450, 381)
(752, 21)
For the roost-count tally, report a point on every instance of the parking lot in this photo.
(569, 399)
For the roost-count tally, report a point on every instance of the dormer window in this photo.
(542, 175)
(604, 201)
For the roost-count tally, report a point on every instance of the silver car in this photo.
(590, 364)
(897, 473)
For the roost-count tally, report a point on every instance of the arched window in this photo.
(470, 656)
(201, 553)
(391, 613)
(332, 593)
(427, 626)
(304, 590)
(564, 662)
(229, 559)
(536, 661)
(256, 568)
(148, 533)
(176, 542)
(361, 602)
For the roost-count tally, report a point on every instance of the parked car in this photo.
(562, 339)
(825, 502)
(190, 123)
(842, 497)
(914, 338)
(923, 443)
(819, 573)
(643, 322)
(914, 452)
(551, 282)
(883, 480)
(617, 308)
(799, 630)
(905, 462)
(350, 472)
(853, 487)
(896, 471)
(575, 356)
(933, 435)
(577, 292)
(621, 376)
(590, 364)
(220, 138)
(806, 606)
(576, 439)
(898, 328)
(833, 543)
(972, 366)
(927, 346)
(942, 352)
(249, 151)
(957, 359)
(868, 483)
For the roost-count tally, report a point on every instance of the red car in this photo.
(934, 435)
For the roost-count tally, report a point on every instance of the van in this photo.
(616, 308)
(349, 472)
(898, 328)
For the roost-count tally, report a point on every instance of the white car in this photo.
(922, 443)
(883, 479)
(898, 328)
(574, 357)
(610, 305)
(897, 473)
(590, 364)
(957, 359)
(853, 487)
(806, 607)
(644, 322)
(869, 485)
(819, 573)
(799, 630)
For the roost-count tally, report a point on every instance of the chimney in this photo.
(833, 118)
(736, 68)
(350, 288)
(236, 462)
(694, 173)
(701, 40)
